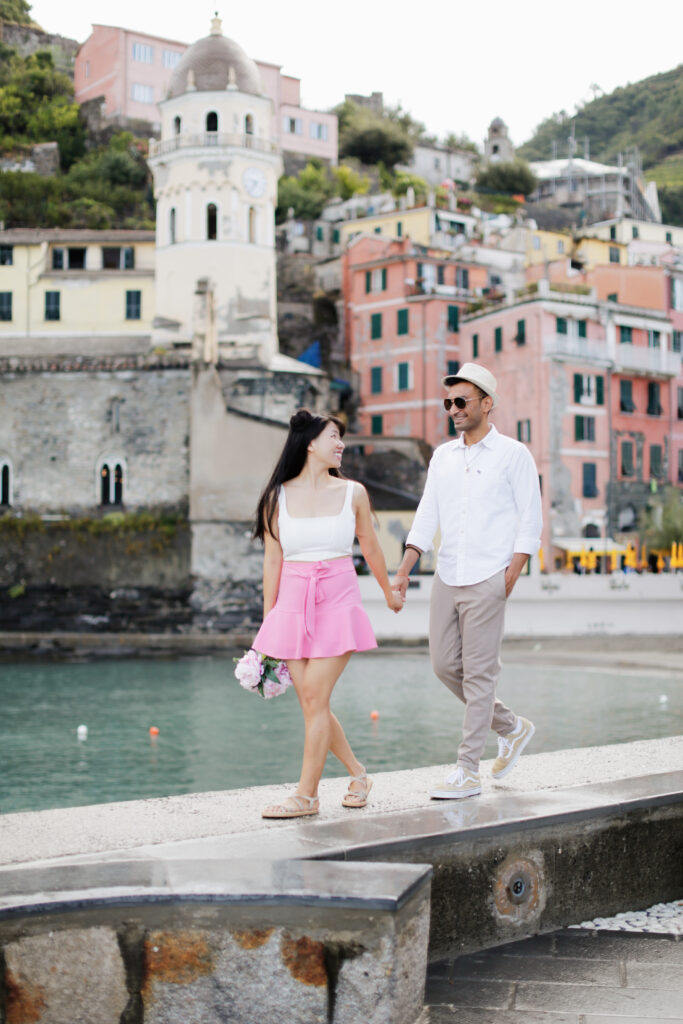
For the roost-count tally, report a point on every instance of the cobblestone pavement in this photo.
(627, 968)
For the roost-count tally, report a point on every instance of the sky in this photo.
(453, 66)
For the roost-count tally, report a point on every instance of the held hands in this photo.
(395, 600)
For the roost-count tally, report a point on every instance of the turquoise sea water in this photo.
(213, 735)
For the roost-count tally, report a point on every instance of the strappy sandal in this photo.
(300, 810)
(358, 797)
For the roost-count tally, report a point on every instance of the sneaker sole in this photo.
(511, 765)
(446, 794)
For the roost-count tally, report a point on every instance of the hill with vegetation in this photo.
(647, 114)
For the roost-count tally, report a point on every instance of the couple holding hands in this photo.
(482, 491)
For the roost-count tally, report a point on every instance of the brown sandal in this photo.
(298, 811)
(358, 797)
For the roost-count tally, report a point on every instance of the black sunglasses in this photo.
(459, 402)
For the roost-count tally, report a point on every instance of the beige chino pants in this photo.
(465, 634)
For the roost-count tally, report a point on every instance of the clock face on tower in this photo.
(254, 181)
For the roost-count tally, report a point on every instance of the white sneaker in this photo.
(511, 746)
(458, 784)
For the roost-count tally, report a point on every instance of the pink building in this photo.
(587, 385)
(403, 305)
(132, 71)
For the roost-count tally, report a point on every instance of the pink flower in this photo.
(271, 688)
(282, 672)
(249, 669)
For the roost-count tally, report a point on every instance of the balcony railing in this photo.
(566, 346)
(211, 140)
(656, 361)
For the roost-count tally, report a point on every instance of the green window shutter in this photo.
(625, 336)
(376, 326)
(368, 281)
(578, 387)
(453, 318)
(376, 425)
(419, 270)
(384, 279)
(451, 426)
(335, 236)
(378, 230)
(399, 229)
(561, 325)
(319, 233)
(519, 430)
(600, 390)
(452, 367)
(578, 428)
(521, 332)
(402, 376)
(613, 297)
(440, 274)
(582, 328)
(376, 380)
(475, 346)
(498, 343)
(402, 325)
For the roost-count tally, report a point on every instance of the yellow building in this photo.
(415, 224)
(547, 246)
(71, 284)
(593, 252)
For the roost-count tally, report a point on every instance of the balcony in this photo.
(211, 140)
(652, 362)
(585, 350)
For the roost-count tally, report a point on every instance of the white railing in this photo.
(211, 140)
(566, 346)
(659, 361)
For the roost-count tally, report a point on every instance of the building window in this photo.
(143, 54)
(613, 232)
(118, 257)
(5, 483)
(440, 274)
(536, 242)
(524, 430)
(335, 236)
(111, 482)
(211, 222)
(677, 294)
(584, 428)
(376, 380)
(613, 297)
(561, 325)
(87, 69)
(451, 427)
(72, 258)
(589, 390)
(680, 465)
(399, 229)
(402, 321)
(627, 465)
(453, 318)
(626, 403)
(676, 341)
(170, 59)
(248, 125)
(452, 367)
(142, 93)
(376, 326)
(475, 346)
(614, 254)
(319, 234)
(133, 305)
(368, 282)
(293, 125)
(376, 425)
(590, 486)
(653, 339)
(6, 255)
(560, 246)
(171, 225)
(403, 376)
(52, 306)
(58, 259)
(581, 328)
(656, 464)
(177, 124)
(498, 339)
(654, 407)
(212, 121)
(252, 225)
(462, 278)
(668, 238)
(5, 305)
(520, 337)
(318, 131)
(634, 231)
(376, 280)
(626, 335)
(680, 403)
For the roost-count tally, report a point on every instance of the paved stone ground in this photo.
(569, 977)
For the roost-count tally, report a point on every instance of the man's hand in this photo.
(401, 584)
(396, 600)
(513, 571)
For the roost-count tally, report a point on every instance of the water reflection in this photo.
(213, 735)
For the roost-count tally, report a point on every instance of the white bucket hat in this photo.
(474, 374)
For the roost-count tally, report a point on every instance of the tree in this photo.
(305, 194)
(460, 141)
(662, 523)
(349, 183)
(15, 11)
(371, 137)
(514, 178)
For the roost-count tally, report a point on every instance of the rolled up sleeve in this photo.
(527, 496)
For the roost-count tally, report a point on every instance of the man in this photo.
(482, 490)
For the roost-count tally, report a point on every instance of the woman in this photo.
(307, 518)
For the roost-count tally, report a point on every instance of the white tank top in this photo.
(316, 538)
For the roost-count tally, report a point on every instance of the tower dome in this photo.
(215, 63)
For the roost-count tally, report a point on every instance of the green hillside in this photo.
(647, 114)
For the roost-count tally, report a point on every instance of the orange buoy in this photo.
(153, 731)
(374, 715)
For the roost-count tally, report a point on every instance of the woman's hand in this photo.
(395, 600)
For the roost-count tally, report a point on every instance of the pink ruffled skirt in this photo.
(318, 613)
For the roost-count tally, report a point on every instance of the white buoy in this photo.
(663, 699)
(82, 732)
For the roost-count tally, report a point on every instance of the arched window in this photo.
(212, 127)
(111, 472)
(171, 225)
(177, 124)
(249, 125)
(591, 530)
(252, 224)
(211, 222)
(5, 482)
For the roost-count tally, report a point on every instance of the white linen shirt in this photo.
(487, 500)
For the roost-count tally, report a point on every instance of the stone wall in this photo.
(29, 39)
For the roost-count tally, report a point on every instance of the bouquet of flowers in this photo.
(263, 674)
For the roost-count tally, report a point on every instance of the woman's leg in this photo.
(314, 681)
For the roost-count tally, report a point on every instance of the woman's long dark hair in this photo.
(304, 427)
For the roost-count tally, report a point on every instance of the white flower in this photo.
(249, 670)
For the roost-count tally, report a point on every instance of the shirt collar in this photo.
(488, 439)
